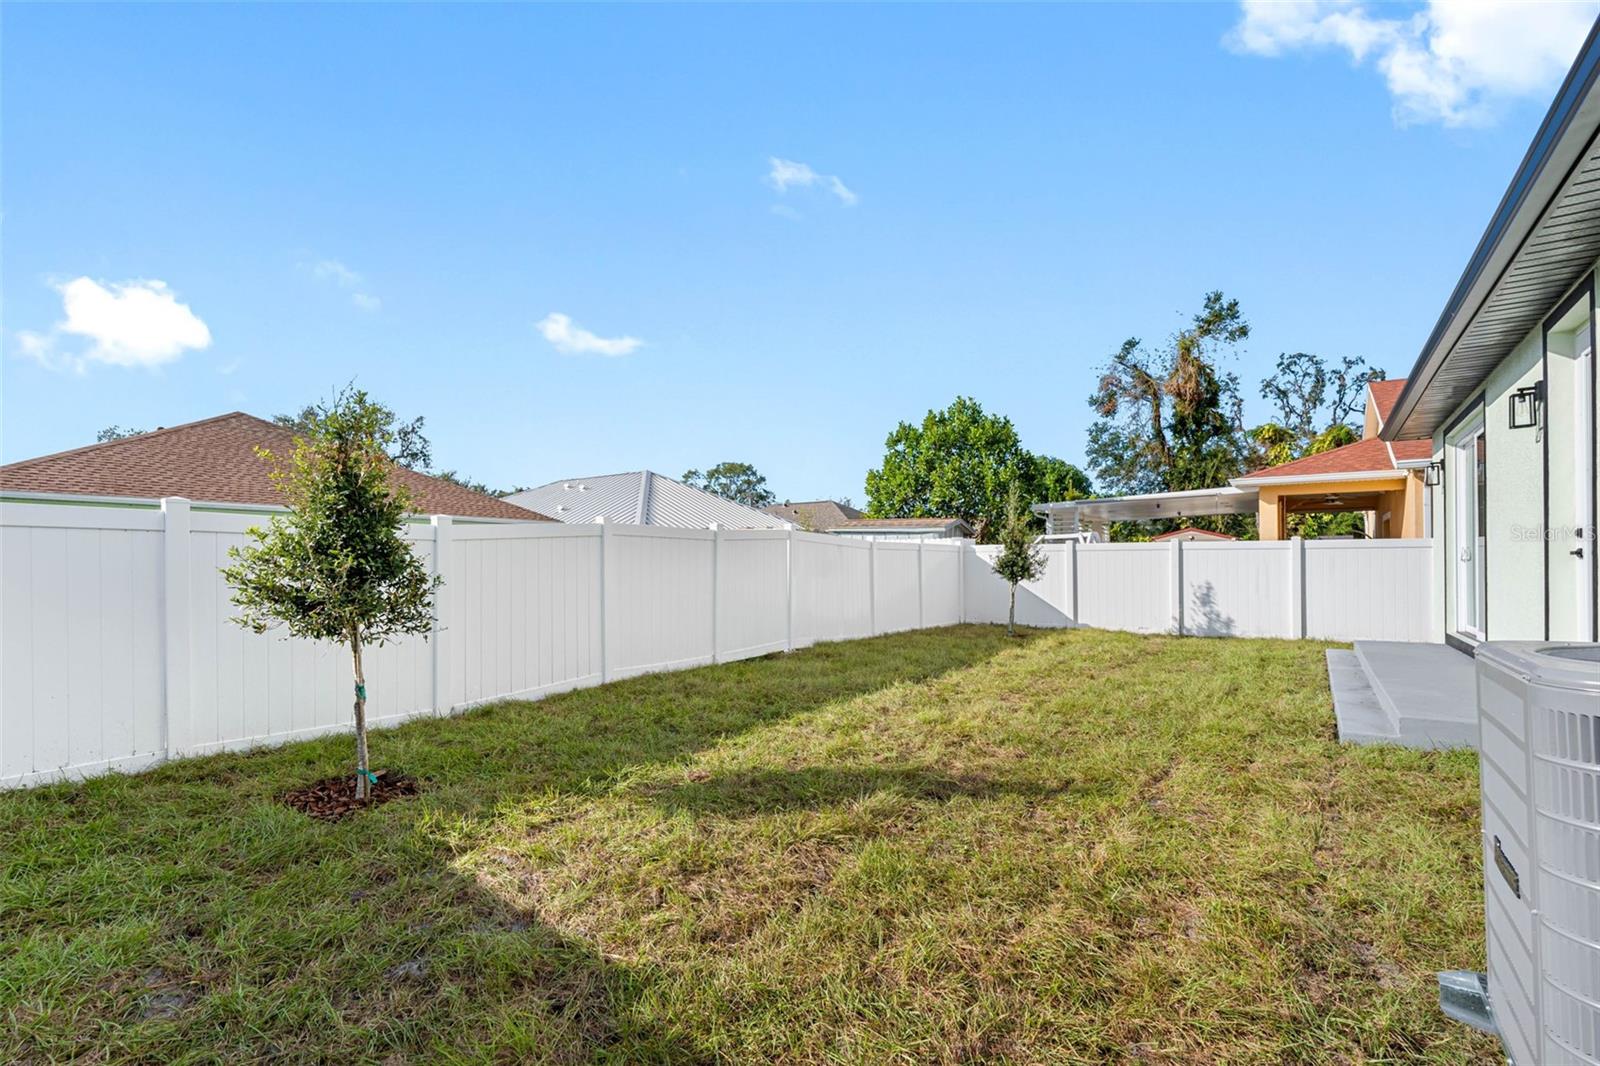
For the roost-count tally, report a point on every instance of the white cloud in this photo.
(786, 174)
(560, 331)
(1455, 62)
(333, 272)
(126, 323)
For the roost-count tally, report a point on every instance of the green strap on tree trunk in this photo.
(368, 774)
(361, 692)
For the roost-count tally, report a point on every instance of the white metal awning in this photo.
(1148, 507)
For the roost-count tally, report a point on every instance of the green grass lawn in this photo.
(933, 847)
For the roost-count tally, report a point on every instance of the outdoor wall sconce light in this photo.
(1526, 405)
(1432, 474)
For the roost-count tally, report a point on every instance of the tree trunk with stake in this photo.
(1011, 617)
(362, 769)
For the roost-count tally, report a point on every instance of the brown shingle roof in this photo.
(1384, 394)
(897, 523)
(1411, 450)
(1364, 456)
(1191, 532)
(813, 514)
(214, 461)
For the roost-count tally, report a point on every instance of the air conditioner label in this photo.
(1507, 871)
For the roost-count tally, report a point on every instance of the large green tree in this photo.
(961, 462)
(1169, 418)
(336, 566)
(739, 482)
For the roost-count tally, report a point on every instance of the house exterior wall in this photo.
(1517, 482)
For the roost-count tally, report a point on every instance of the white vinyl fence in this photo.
(1315, 589)
(116, 649)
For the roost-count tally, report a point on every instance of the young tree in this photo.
(1021, 559)
(336, 567)
(739, 482)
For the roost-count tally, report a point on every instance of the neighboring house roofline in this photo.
(215, 460)
(1559, 146)
(642, 498)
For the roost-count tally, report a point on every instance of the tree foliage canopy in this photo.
(1313, 394)
(739, 482)
(1170, 420)
(336, 566)
(961, 462)
(404, 441)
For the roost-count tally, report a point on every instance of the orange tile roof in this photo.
(1384, 394)
(1364, 456)
(214, 461)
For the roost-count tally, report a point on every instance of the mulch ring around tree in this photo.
(334, 798)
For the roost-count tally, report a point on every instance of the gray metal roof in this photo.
(640, 498)
(1542, 238)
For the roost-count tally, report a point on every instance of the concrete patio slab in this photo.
(1414, 695)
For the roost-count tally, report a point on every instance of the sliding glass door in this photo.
(1469, 503)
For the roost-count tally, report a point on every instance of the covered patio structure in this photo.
(1091, 519)
(1373, 476)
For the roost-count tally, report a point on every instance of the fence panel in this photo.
(523, 620)
(661, 581)
(1125, 586)
(832, 585)
(1045, 602)
(941, 582)
(896, 590)
(1236, 589)
(1369, 590)
(80, 675)
(752, 592)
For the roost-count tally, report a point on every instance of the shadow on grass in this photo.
(185, 913)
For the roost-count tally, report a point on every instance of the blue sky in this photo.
(230, 207)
